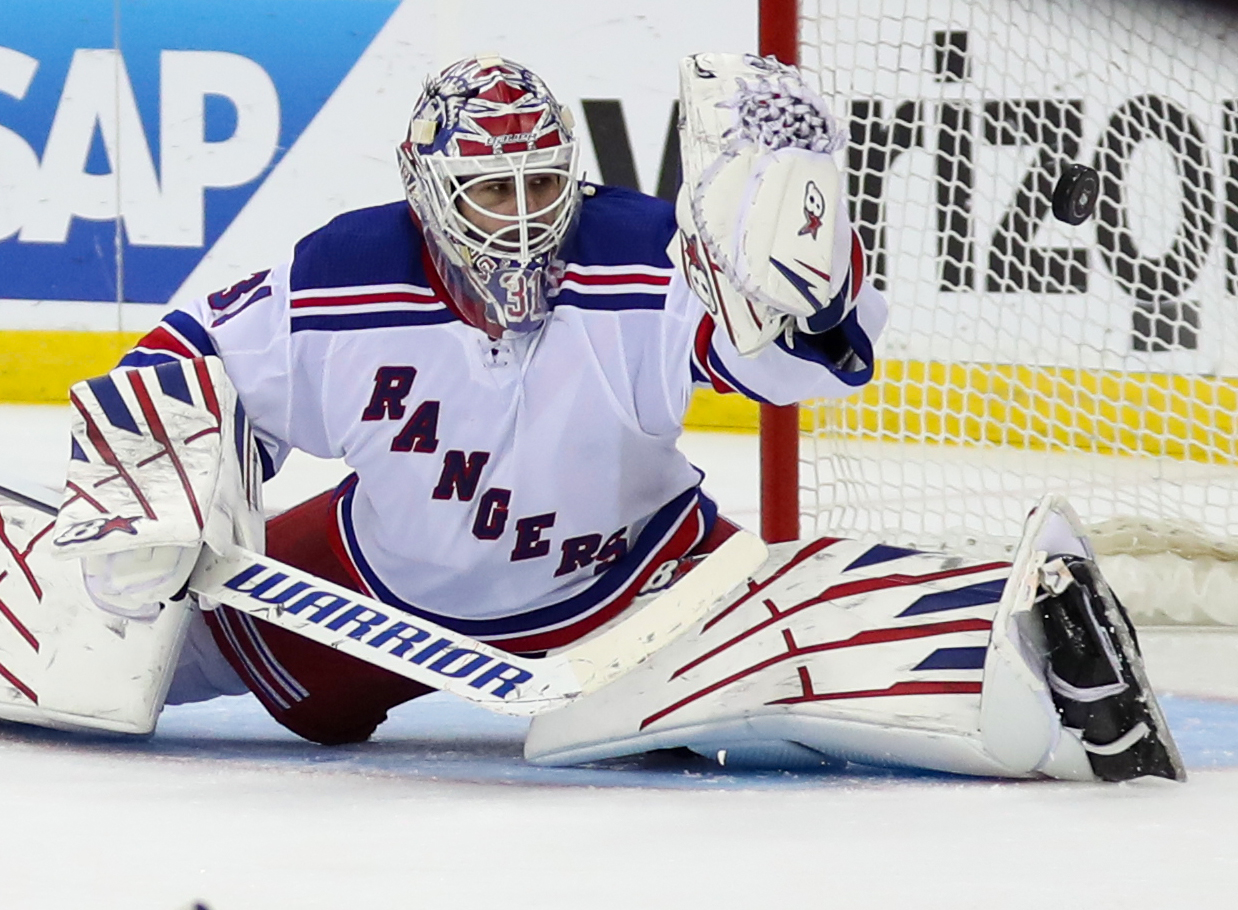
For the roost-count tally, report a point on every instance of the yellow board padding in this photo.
(731, 413)
(710, 410)
(1028, 407)
(37, 367)
(1182, 417)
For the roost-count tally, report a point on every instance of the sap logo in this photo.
(129, 143)
(98, 112)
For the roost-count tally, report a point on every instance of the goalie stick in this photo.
(436, 656)
(432, 654)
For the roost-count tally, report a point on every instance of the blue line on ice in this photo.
(443, 739)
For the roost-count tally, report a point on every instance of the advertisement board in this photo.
(154, 150)
(963, 115)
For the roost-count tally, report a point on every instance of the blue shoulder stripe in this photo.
(611, 302)
(191, 331)
(146, 359)
(348, 322)
(376, 245)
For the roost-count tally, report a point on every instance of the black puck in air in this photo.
(1074, 197)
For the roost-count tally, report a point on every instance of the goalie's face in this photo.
(495, 205)
(516, 206)
(490, 170)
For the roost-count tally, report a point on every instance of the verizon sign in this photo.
(961, 126)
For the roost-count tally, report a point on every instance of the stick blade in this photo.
(31, 494)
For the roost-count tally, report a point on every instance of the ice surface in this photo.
(223, 806)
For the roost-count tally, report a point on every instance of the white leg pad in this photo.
(63, 662)
(861, 653)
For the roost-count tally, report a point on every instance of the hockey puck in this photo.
(1074, 197)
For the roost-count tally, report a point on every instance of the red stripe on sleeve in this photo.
(160, 339)
(628, 278)
(356, 299)
(704, 334)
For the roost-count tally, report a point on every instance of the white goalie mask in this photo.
(490, 169)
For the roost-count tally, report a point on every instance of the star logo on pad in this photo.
(95, 528)
(116, 523)
(814, 209)
(692, 254)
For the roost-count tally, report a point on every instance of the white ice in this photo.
(223, 806)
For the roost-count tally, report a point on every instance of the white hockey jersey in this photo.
(519, 491)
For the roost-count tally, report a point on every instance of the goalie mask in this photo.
(489, 166)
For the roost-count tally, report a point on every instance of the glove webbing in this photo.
(784, 114)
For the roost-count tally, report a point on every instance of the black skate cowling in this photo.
(1096, 675)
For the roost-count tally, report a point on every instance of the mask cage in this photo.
(486, 272)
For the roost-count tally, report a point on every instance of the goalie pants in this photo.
(318, 692)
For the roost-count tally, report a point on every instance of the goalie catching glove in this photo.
(764, 238)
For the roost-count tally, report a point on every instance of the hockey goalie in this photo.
(504, 360)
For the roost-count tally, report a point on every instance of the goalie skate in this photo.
(1096, 675)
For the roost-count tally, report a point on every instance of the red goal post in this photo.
(780, 426)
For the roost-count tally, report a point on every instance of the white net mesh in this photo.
(1025, 354)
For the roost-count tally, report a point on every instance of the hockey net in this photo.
(1025, 355)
